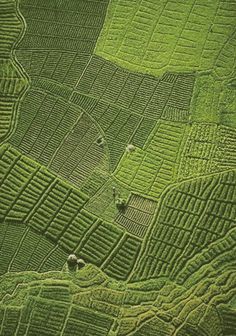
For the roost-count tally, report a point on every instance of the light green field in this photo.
(159, 36)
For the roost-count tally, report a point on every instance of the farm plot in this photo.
(103, 203)
(44, 122)
(55, 51)
(204, 209)
(201, 150)
(122, 258)
(158, 37)
(25, 186)
(108, 247)
(227, 148)
(150, 170)
(127, 161)
(137, 216)
(11, 27)
(87, 322)
(80, 153)
(214, 101)
(12, 79)
(118, 125)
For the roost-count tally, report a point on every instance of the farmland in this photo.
(117, 168)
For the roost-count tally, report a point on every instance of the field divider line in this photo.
(22, 189)
(48, 255)
(77, 82)
(87, 234)
(60, 207)
(63, 141)
(40, 200)
(67, 317)
(113, 252)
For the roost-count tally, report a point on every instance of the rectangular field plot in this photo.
(46, 317)
(78, 155)
(9, 323)
(77, 229)
(55, 212)
(12, 81)
(31, 194)
(117, 168)
(11, 26)
(137, 216)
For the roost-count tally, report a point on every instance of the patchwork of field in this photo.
(118, 146)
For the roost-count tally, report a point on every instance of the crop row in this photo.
(8, 318)
(100, 243)
(131, 225)
(79, 226)
(123, 258)
(6, 112)
(228, 316)
(219, 255)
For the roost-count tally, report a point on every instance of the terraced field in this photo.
(117, 168)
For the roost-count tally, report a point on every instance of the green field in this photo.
(117, 168)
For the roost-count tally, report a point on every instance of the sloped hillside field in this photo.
(117, 167)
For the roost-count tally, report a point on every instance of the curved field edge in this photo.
(14, 78)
